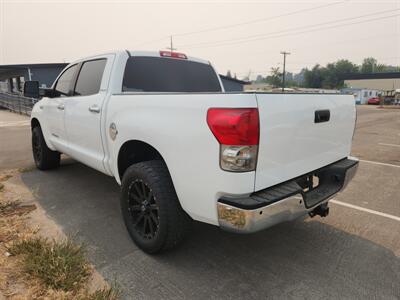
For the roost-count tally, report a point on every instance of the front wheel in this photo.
(150, 207)
(44, 157)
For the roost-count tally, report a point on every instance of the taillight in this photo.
(234, 126)
(173, 54)
(237, 131)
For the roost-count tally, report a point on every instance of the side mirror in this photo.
(46, 92)
(31, 89)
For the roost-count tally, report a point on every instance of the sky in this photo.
(238, 35)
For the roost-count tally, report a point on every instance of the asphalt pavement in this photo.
(15, 146)
(354, 253)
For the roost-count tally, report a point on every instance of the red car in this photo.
(374, 101)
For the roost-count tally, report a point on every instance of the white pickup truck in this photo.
(182, 149)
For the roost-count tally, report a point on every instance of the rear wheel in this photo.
(44, 157)
(150, 207)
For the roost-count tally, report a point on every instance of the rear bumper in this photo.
(286, 201)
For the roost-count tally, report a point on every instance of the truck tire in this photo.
(44, 157)
(150, 207)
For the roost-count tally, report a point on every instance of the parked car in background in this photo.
(182, 149)
(374, 101)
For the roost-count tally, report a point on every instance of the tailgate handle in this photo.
(322, 116)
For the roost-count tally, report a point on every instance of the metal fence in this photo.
(17, 103)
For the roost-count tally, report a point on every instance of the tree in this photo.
(259, 78)
(331, 76)
(368, 65)
(343, 66)
(313, 78)
(275, 79)
(336, 71)
(228, 74)
(299, 77)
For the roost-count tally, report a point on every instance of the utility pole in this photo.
(284, 53)
(171, 47)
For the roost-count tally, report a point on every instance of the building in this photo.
(233, 84)
(12, 77)
(373, 81)
(361, 96)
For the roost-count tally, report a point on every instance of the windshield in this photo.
(159, 74)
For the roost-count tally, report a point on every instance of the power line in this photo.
(299, 49)
(289, 29)
(245, 23)
(260, 20)
(243, 40)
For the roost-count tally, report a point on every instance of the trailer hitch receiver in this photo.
(321, 210)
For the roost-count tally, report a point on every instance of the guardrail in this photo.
(17, 103)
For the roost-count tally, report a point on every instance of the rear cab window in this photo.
(159, 74)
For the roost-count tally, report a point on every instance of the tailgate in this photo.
(296, 137)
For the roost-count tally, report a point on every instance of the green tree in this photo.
(329, 77)
(335, 72)
(275, 77)
(313, 78)
(368, 65)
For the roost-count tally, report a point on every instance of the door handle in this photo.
(61, 106)
(94, 109)
(321, 116)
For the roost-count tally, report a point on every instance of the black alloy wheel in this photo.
(36, 147)
(143, 209)
(44, 157)
(150, 207)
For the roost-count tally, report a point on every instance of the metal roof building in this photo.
(12, 77)
(232, 84)
(373, 81)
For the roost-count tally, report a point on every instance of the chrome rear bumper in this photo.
(284, 202)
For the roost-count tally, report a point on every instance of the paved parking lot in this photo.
(354, 253)
(15, 148)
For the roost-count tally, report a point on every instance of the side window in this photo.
(89, 78)
(63, 85)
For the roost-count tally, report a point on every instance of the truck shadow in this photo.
(294, 260)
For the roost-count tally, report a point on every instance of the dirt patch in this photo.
(31, 245)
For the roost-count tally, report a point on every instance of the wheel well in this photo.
(133, 152)
(34, 123)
